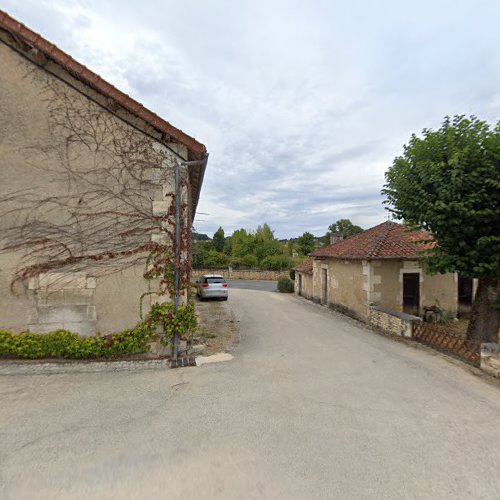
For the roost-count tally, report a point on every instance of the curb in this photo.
(53, 367)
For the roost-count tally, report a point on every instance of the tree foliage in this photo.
(305, 243)
(243, 249)
(448, 183)
(218, 239)
(345, 228)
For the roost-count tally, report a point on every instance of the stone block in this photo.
(160, 238)
(490, 358)
(61, 297)
(66, 313)
(160, 207)
(44, 327)
(62, 281)
(83, 328)
(91, 282)
(33, 283)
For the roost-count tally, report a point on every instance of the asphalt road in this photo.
(261, 285)
(313, 405)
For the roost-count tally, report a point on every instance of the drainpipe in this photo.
(178, 219)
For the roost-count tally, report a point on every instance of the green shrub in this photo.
(245, 262)
(276, 262)
(285, 285)
(292, 274)
(65, 344)
(215, 259)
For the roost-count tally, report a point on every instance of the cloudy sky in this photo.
(302, 105)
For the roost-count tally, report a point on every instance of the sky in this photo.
(302, 105)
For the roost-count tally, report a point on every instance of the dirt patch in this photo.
(216, 326)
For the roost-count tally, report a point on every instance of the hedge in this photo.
(66, 344)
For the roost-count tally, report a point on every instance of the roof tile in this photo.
(388, 240)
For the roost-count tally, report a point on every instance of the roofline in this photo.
(168, 133)
(357, 257)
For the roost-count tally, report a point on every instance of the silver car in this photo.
(212, 286)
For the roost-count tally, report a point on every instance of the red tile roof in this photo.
(388, 240)
(305, 267)
(20, 31)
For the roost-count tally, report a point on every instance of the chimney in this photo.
(335, 238)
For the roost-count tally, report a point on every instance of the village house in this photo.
(87, 185)
(380, 267)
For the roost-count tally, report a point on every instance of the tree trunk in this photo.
(485, 314)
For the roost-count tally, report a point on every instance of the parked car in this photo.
(212, 286)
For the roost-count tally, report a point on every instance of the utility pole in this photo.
(177, 256)
(178, 231)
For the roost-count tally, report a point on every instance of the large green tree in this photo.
(448, 182)
(305, 243)
(218, 239)
(265, 243)
(345, 228)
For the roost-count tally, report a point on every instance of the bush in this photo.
(65, 344)
(285, 285)
(245, 262)
(215, 259)
(276, 262)
(292, 274)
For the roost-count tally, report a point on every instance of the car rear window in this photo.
(214, 280)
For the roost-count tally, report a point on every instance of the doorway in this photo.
(465, 292)
(300, 284)
(411, 293)
(324, 284)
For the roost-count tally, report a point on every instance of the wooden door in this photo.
(324, 283)
(411, 293)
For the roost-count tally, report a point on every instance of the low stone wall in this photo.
(242, 274)
(490, 358)
(392, 322)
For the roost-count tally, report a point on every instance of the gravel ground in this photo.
(313, 405)
(217, 328)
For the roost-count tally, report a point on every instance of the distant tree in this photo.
(218, 239)
(345, 228)
(288, 248)
(200, 250)
(200, 237)
(242, 243)
(265, 243)
(245, 262)
(448, 183)
(228, 246)
(305, 243)
(214, 259)
(276, 263)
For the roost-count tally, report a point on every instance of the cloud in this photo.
(302, 106)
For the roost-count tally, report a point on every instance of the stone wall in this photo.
(392, 322)
(490, 359)
(242, 274)
(30, 155)
(306, 288)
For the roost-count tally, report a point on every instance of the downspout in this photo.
(178, 218)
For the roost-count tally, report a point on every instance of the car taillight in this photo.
(224, 285)
(205, 285)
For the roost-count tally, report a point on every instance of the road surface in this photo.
(313, 405)
(262, 285)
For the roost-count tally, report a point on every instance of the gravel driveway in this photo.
(312, 406)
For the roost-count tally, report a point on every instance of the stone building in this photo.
(86, 191)
(304, 279)
(380, 267)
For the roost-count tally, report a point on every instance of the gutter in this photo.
(202, 164)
